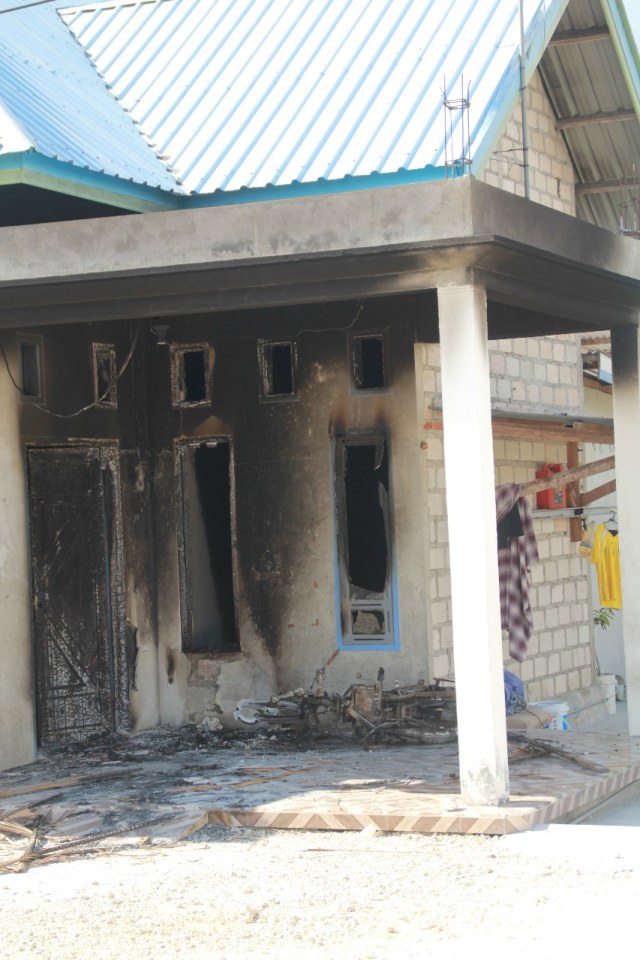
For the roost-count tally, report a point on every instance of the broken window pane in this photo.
(367, 621)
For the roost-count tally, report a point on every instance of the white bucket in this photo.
(609, 683)
(559, 710)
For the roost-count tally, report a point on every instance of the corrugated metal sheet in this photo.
(218, 96)
(53, 96)
(583, 79)
(247, 93)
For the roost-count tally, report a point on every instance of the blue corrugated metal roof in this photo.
(53, 102)
(237, 94)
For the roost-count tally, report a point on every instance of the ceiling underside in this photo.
(585, 84)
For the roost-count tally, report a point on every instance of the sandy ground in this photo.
(235, 893)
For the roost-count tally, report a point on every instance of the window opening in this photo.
(208, 602)
(105, 375)
(190, 375)
(364, 541)
(30, 354)
(277, 363)
(368, 362)
(366, 492)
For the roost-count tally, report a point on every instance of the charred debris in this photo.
(417, 713)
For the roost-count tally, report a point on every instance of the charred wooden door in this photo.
(76, 575)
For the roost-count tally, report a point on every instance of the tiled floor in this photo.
(145, 786)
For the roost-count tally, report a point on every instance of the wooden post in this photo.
(573, 494)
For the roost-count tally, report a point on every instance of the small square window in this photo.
(30, 360)
(191, 375)
(367, 355)
(277, 365)
(105, 374)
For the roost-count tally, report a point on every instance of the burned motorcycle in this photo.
(417, 713)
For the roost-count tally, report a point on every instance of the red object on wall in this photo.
(551, 499)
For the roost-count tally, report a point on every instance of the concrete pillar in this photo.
(470, 484)
(17, 726)
(625, 349)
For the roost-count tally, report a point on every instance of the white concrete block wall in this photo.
(551, 175)
(541, 374)
(560, 656)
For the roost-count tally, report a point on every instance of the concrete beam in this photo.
(360, 244)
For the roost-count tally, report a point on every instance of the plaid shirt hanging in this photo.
(515, 556)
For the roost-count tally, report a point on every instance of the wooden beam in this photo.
(567, 476)
(597, 493)
(573, 493)
(579, 36)
(588, 119)
(607, 186)
(590, 383)
(554, 432)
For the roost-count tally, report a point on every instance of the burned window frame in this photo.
(356, 364)
(110, 398)
(181, 449)
(177, 353)
(348, 602)
(36, 343)
(266, 370)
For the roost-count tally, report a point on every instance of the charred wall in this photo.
(281, 481)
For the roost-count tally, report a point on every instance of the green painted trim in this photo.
(625, 46)
(32, 169)
(348, 184)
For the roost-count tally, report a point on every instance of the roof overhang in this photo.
(35, 170)
(544, 271)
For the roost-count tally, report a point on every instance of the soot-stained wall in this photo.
(282, 482)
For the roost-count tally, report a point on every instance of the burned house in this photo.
(263, 286)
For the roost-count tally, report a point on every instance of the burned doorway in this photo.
(205, 544)
(365, 560)
(76, 572)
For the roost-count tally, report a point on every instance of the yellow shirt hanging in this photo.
(605, 556)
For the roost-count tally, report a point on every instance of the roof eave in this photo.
(33, 169)
(348, 184)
